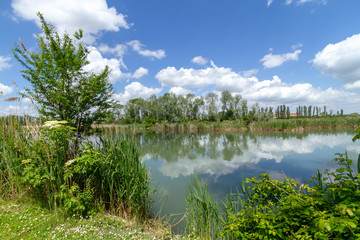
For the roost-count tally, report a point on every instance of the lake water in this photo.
(222, 158)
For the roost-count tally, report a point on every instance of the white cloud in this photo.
(267, 92)
(296, 46)
(136, 90)
(119, 50)
(270, 60)
(199, 60)
(68, 15)
(269, 2)
(341, 60)
(179, 91)
(139, 48)
(250, 72)
(140, 72)
(98, 64)
(355, 85)
(4, 90)
(4, 63)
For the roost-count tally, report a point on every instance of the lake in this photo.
(222, 159)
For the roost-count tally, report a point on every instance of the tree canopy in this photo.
(61, 88)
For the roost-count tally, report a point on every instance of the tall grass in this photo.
(44, 164)
(203, 218)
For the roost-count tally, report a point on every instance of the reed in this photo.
(44, 164)
(202, 214)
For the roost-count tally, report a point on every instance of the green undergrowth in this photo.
(296, 124)
(327, 207)
(25, 220)
(307, 123)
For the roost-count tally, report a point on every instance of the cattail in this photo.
(22, 44)
(12, 99)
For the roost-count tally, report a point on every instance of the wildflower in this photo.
(54, 124)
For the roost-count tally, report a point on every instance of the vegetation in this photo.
(171, 108)
(263, 208)
(26, 220)
(61, 87)
(40, 162)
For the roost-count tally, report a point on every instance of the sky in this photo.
(272, 52)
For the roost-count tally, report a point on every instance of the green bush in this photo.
(285, 209)
(44, 163)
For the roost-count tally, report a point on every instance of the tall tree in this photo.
(211, 99)
(60, 87)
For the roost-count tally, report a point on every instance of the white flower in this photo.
(54, 124)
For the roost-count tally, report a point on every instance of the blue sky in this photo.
(299, 52)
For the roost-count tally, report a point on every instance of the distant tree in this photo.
(61, 88)
(227, 102)
(211, 99)
(288, 112)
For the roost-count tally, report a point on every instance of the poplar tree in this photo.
(61, 88)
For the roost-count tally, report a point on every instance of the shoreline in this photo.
(275, 125)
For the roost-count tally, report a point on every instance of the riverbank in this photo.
(275, 125)
(26, 220)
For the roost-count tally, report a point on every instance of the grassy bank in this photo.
(287, 125)
(52, 187)
(25, 220)
(303, 124)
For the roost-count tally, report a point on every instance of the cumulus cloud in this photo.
(67, 15)
(266, 92)
(341, 60)
(98, 64)
(119, 50)
(179, 91)
(4, 63)
(140, 72)
(250, 72)
(139, 48)
(274, 60)
(136, 90)
(199, 60)
(4, 90)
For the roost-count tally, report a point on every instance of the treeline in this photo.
(174, 108)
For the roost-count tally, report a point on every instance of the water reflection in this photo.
(223, 159)
(223, 153)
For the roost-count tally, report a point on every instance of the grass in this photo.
(292, 124)
(301, 124)
(25, 220)
(202, 214)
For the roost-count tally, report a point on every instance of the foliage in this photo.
(327, 207)
(40, 162)
(285, 209)
(202, 214)
(111, 175)
(61, 87)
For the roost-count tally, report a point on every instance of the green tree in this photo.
(61, 88)
(211, 99)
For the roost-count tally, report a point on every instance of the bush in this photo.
(44, 163)
(272, 209)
